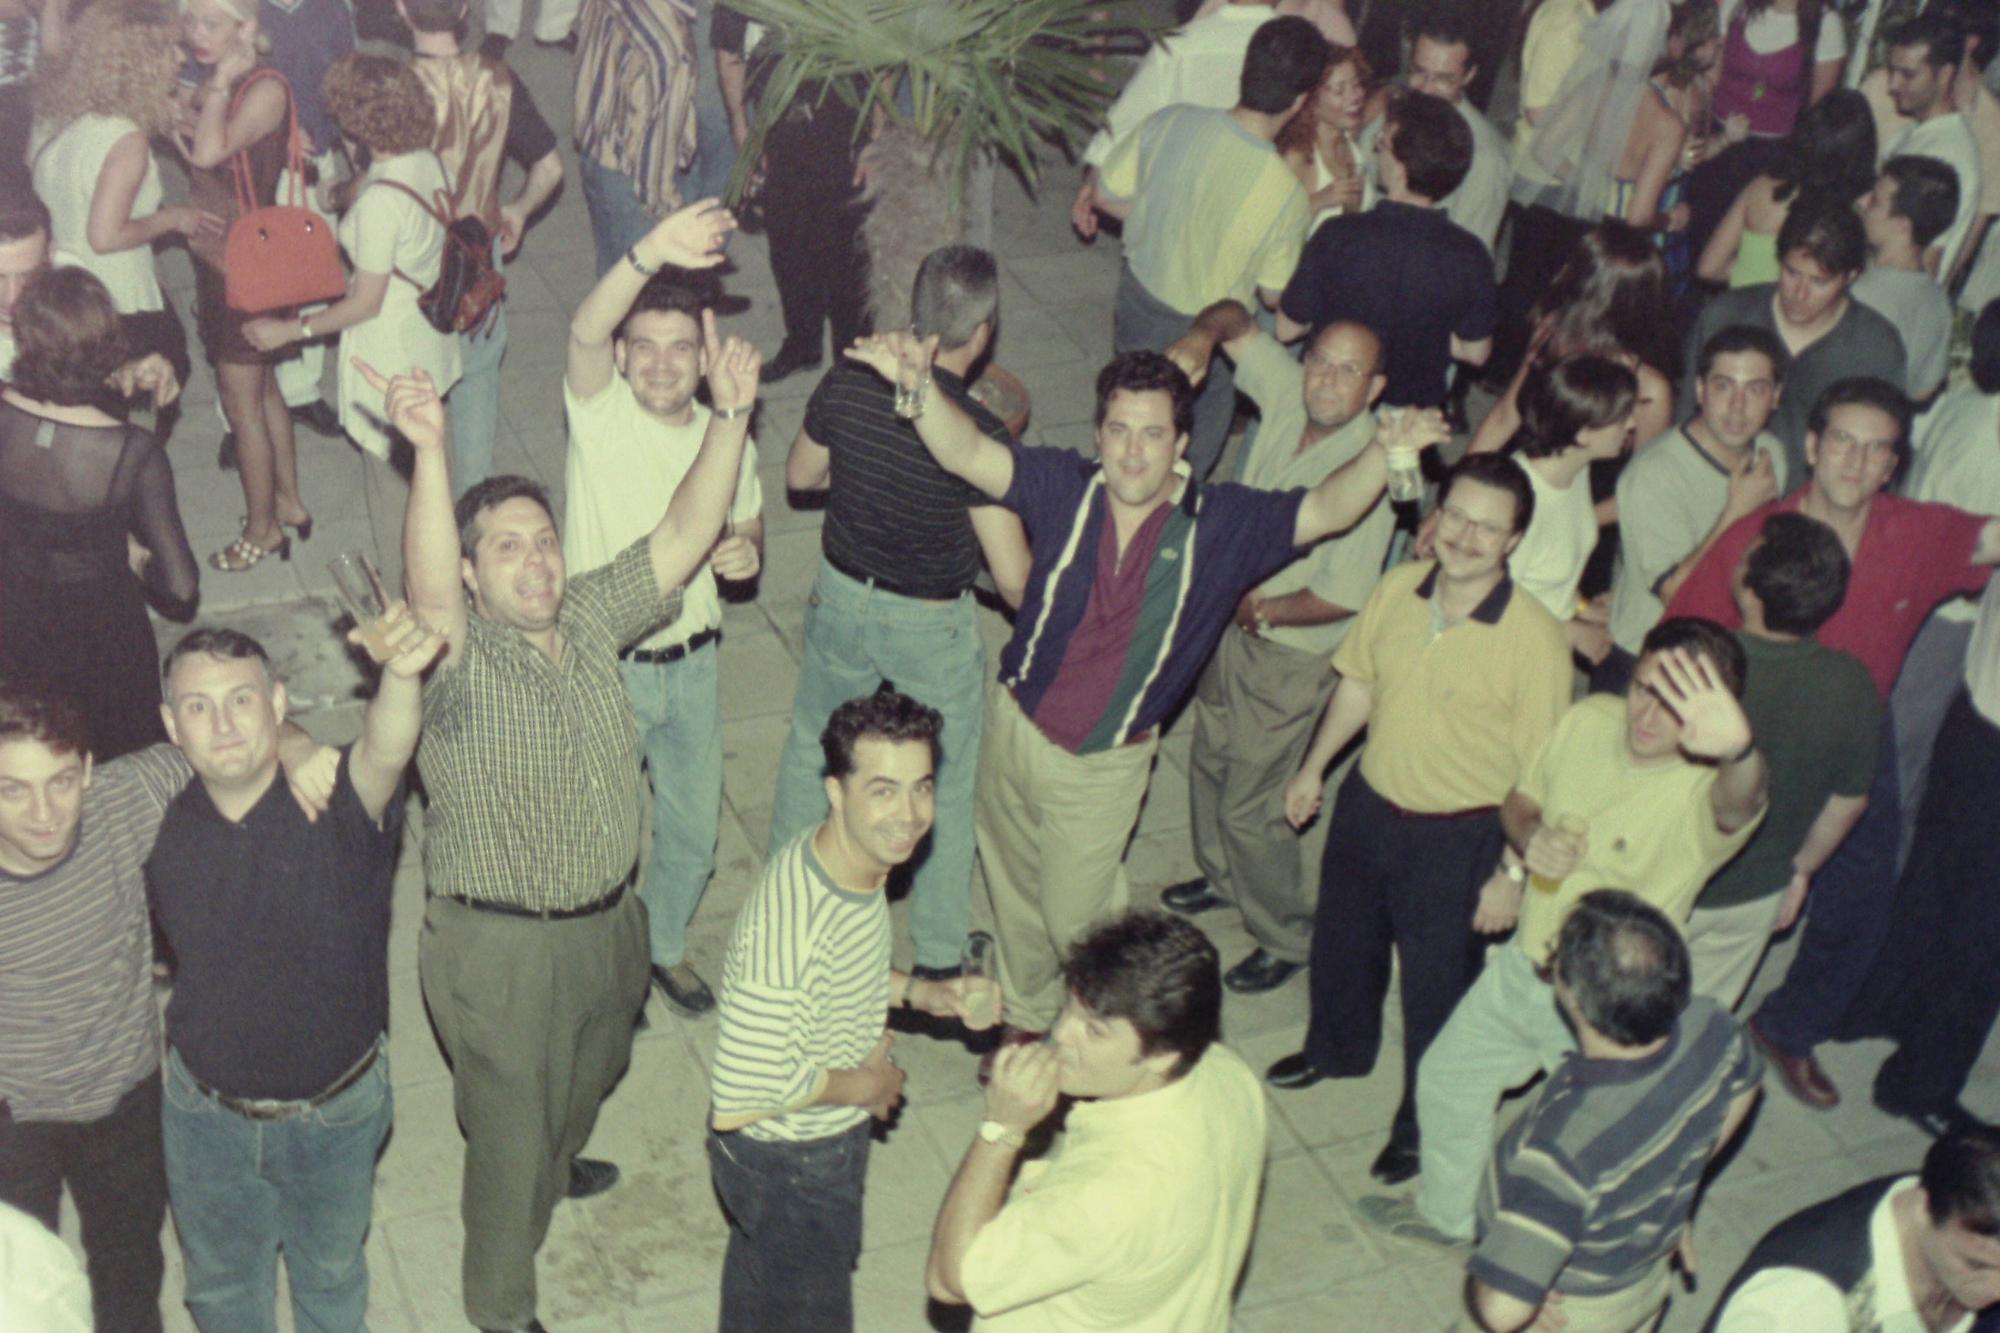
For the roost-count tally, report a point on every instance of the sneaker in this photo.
(1397, 1215)
(589, 1176)
(684, 990)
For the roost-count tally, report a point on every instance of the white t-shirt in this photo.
(66, 168)
(1200, 64)
(621, 471)
(1955, 460)
(42, 1287)
(1948, 138)
(1548, 564)
(1771, 31)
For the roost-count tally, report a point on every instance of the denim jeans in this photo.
(475, 399)
(680, 730)
(241, 1188)
(714, 149)
(617, 218)
(115, 1175)
(856, 638)
(794, 1213)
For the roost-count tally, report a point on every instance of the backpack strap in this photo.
(437, 213)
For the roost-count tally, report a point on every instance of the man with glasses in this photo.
(1458, 681)
(1907, 557)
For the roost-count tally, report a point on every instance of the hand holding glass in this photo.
(359, 584)
(979, 964)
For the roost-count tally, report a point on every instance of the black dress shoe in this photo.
(588, 1176)
(684, 990)
(318, 416)
(790, 360)
(923, 972)
(1395, 1164)
(534, 1326)
(1294, 1071)
(1260, 972)
(1191, 897)
(495, 46)
(1952, 1118)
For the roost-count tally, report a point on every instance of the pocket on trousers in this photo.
(179, 1090)
(361, 1103)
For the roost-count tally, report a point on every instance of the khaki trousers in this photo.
(1725, 945)
(1052, 828)
(1254, 713)
(536, 1019)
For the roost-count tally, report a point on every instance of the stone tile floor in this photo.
(647, 1256)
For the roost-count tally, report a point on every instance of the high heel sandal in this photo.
(304, 530)
(244, 554)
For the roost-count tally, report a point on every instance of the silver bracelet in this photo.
(731, 413)
(632, 258)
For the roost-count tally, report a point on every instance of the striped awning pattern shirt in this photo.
(635, 82)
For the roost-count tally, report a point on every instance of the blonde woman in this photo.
(216, 125)
(393, 242)
(97, 103)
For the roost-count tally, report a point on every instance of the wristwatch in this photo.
(632, 258)
(1514, 871)
(992, 1131)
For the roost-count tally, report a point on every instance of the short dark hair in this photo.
(1575, 394)
(666, 292)
(1799, 572)
(1868, 391)
(1943, 40)
(1625, 964)
(435, 15)
(1986, 348)
(217, 641)
(1284, 62)
(29, 713)
(1961, 1180)
(1978, 19)
(882, 716)
(1502, 474)
(1432, 141)
(1445, 24)
(1828, 230)
(1159, 973)
(68, 338)
(1147, 372)
(1926, 195)
(1743, 338)
(1697, 635)
(23, 214)
(957, 289)
(491, 494)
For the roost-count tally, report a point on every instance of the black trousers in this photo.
(117, 1174)
(1937, 979)
(1407, 882)
(812, 215)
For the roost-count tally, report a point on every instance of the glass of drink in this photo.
(1406, 477)
(979, 966)
(359, 584)
(1570, 827)
(909, 400)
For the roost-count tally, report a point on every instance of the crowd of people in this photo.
(1687, 642)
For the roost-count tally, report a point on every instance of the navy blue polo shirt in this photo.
(1413, 276)
(280, 930)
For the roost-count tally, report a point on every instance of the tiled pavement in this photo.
(647, 1256)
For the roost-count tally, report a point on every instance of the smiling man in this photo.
(802, 1063)
(1138, 571)
(635, 359)
(1144, 1218)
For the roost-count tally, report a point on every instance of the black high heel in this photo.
(303, 530)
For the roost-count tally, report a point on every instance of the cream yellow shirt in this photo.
(1141, 1222)
(622, 468)
(1650, 826)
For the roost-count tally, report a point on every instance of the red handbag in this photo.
(284, 254)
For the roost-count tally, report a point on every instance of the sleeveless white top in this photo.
(66, 168)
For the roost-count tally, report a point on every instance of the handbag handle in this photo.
(295, 159)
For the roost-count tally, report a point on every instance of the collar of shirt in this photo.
(1895, 1309)
(1491, 607)
(1130, 1119)
(1279, 465)
(201, 804)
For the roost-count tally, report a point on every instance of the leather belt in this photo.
(604, 904)
(884, 585)
(265, 1108)
(661, 656)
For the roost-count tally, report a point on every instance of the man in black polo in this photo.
(277, 1088)
(1404, 269)
(893, 599)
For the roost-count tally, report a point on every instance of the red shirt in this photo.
(1912, 556)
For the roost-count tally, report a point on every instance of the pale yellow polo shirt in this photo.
(1651, 828)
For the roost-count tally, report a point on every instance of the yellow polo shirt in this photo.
(1458, 712)
(1651, 828)
(1216, 212)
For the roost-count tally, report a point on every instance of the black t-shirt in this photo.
(280, 929)
(891, 512)
(1412, 275)
(529, 138)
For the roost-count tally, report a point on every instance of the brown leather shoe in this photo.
(1802, 1074)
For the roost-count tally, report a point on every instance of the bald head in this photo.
(1343, 374)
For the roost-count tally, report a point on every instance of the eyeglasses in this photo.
(1458, 518)
(1844, 442)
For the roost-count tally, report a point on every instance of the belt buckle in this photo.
(267, 1108)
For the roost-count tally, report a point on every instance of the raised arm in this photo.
(1227, 325)
(951, 436)
(395, 716)
(431, 555)
(217, 133)
(690, 238)
(1348, 493)
(695, 516)
(1714, 728)
(1019, 1097)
